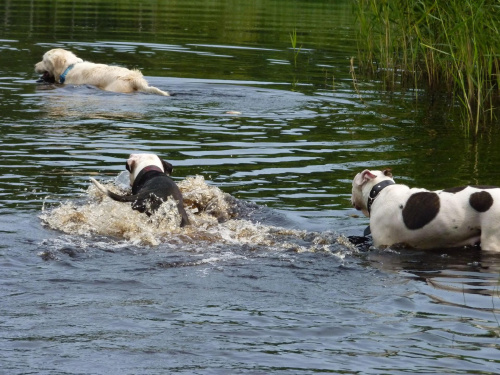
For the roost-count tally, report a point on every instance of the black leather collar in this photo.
(376, 189)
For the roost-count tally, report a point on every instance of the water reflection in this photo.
(468, 278)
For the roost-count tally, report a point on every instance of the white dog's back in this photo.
(420, 218)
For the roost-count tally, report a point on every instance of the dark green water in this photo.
(283, 134)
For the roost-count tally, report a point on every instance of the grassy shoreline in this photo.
(451, 46)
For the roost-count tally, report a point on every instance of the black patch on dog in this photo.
(481, 201)
(152, 190)
(420, 209)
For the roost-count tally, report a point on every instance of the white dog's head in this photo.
(55, 62)
(137, 162)
(362, 185)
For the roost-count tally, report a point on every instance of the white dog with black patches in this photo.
(61, 66)
(419, 218)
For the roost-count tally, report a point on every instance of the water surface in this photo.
(265, 145)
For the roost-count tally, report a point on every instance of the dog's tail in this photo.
(114, 196)
(152, 90)
(139, 83)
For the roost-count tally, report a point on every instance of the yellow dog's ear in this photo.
(60, 64)
(57, 63)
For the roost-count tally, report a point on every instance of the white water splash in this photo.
(215, 216)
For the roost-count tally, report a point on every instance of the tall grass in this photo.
(451, 45)
(296, 51)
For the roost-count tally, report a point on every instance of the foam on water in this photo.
(216, 218)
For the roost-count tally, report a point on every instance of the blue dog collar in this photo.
(62, 78)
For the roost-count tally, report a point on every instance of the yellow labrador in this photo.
(65, 67)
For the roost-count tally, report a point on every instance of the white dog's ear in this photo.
(387, 172)
(167, 167)
(364, 177)
(130, 165)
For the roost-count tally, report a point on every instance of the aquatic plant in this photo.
(452, 46)
(352, 71)
(296, 51)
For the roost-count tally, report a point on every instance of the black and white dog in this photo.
(151, 185)
(420, 218)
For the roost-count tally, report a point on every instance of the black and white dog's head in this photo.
(137, 162)
(362, 186)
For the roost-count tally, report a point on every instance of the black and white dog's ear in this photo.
(167, 167)
(128, 167)
(387, 172)
(363, 177)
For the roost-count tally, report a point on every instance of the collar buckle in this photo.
(376, 189)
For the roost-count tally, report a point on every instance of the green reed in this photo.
(451, 46)
(296, 51)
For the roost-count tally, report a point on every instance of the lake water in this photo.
(265, 142)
